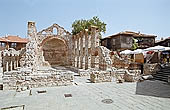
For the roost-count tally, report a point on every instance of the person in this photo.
(141, 65)
(168, 58)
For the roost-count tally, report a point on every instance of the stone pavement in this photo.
(147, 95)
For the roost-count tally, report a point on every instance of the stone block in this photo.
(100, 76)
(27, 78)
(119, 74)
(83, 72)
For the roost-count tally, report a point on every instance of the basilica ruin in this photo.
(54, 57)
(50, 59)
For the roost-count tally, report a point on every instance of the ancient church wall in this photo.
(87, 52)
(50, 48)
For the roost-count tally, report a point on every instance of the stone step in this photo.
(165, 74)
(165, 70)
(160, 79)
(162, 74)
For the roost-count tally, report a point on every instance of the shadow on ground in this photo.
(153, 88)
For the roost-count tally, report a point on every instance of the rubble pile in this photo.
(151, 68)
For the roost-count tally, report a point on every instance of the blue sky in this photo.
(146, 16)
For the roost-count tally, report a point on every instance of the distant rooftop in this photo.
(14, 39)
(162, 40)
(135, 34)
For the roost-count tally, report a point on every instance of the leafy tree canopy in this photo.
(82, 24)
(135, 44)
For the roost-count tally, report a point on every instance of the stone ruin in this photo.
(51, 59)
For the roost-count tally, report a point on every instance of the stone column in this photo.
(93, 43)
(97, 39)
(97, 44)
(79, 46)
(7, 66)
(11, 65)
(74, 51)
(81, 50)
(17, 62)
(86, 50)
(1, 63)
(70, 50)
(89, 50)
(4, 62)
(77, 51)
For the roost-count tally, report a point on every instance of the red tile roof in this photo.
(138, 34)
(14, 39)
(134, 34)
(2, 39)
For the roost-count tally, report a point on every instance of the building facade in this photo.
(15, 42)
(165, 55)
(124, 40)
(164, 42)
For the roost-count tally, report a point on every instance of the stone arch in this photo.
(54, 51)
(53, 37)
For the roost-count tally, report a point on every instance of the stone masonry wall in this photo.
(24, 79)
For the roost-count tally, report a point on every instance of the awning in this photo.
(157, 48)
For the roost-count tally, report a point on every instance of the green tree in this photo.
(134, 44)
(79, 25)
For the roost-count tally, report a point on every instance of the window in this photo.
(13, 45)
(3, 44)
(113, 42)
(128, 39)
(168, 44)
(55, 31)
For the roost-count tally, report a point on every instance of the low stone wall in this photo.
(132, 75)
(124, 75)
(21, 80)
(83, 72)
(100, 76)
(121, 75)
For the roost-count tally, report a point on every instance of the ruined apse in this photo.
(49, 47)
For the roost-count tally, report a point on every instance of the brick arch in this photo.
(53, 37)
(55, 51)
